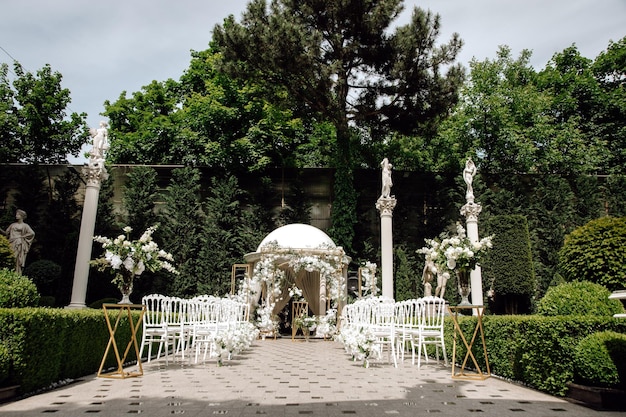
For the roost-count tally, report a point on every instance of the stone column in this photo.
(94, 176)
(386, 205)
(471, 211)
(94, 173)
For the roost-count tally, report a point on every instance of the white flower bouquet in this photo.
(456, 252)
(127, 259)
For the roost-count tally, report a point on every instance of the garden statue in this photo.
(442, 280)
(468, 176)
(100, 141)
(427, 277)
(387, 183)
(20, 237)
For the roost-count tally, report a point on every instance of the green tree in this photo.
(229, 228)
(35, 124)
(342, 62)
(138, 200)
(181, 220)
(508, 267)
(596, 253)
(609, 69)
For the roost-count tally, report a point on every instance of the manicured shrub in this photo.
(5, 363)
(17, 290)
(578, 298)
(596, 252)
(7, 258)
(508, 266)
(44, 273)
(599, 360)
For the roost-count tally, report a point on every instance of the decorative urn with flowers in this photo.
(457, 254)
(127, 259)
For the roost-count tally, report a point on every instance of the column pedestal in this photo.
(94, 174)
(386, 205)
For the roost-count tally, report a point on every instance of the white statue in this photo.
(100, 140)
(442, 280)
(387, 183)
(20, 237)
(468, 177)
(427, 277)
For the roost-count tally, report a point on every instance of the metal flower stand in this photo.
(123, 310)
(458, 332)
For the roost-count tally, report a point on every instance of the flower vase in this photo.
(126, 288)
(463, 276)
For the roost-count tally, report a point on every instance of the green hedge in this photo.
(50, 345)
(536, 351)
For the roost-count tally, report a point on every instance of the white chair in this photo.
(206, 327)
(383, 327)
(430, 330)
(177, 325)
(154, 324)
(408, 326)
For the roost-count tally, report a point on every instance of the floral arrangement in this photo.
(305, 322)
(295, 293)
(360, 344)
(327, 324)
(456, 252)
(228, 343)
(368, 274)
(128, 259)
(266, 321)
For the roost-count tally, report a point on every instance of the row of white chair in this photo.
(398, 325)
(178, 324)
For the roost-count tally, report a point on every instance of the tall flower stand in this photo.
(462, 373)
(123, 310)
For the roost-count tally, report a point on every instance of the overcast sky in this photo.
(103, 48)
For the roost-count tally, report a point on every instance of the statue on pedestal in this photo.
(100, 141)
(20, 237)
(468, 177)
(386, 176)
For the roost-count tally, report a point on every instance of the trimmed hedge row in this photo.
(533, 350)
(45, 346)
(50, 345)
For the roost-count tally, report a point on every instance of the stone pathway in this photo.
(292, 378)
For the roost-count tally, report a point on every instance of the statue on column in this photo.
(100, 141)
(386, 176)
(20, 237)
(468, 177)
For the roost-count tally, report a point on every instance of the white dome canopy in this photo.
(298, 236)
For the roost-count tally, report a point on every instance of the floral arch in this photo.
(296, 255)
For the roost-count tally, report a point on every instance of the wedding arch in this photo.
(297, 255)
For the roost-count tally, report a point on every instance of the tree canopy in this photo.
(34, 124)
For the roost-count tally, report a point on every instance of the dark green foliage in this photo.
(343, 214)
(5, 363)
(599, 360)
(44, 274)
(536, 351)
(7, 258)
(181, 221)
(139, 196)
(50, 345)
(16, 290)
(508, 268)
(229, 232)
(37, 127)
(406, 276)
(596, 252)
(578, 298)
